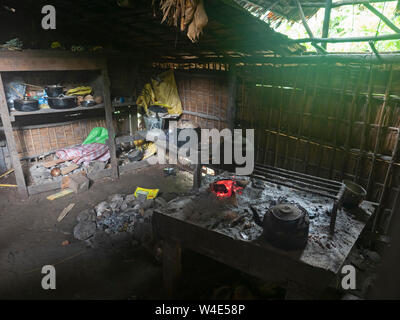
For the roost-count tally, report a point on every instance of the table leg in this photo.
(171, 267)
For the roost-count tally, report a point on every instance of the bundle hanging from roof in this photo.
(187, 15)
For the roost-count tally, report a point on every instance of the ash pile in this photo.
(120, 213)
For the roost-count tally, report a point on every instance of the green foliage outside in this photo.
(347, 21)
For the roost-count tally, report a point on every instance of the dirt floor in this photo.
(116, 267)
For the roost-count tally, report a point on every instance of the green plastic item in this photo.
(97, 135)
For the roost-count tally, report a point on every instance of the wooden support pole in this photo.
(327, 17)
(305, 24)
(382, 17)
(11, 144)
(109, 122)
(374, 50)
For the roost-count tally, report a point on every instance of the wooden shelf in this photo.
(48, 60)
(46, 111)
(77, 109)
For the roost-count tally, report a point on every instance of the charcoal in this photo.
(84, 230)
(86, 215)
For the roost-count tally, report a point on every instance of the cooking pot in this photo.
(26, 104)
(63, 102)
(54, 91)
(285, 225)
(88, 103)
(353, 194)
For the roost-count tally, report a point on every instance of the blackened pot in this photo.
(26, 104)
(285, 225)
(54, 91)
(62, 102)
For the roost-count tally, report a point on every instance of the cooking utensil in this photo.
(26, 104)
(286, 226)
(88, 103)
(62, 102)
(54, 90)
(353, 194)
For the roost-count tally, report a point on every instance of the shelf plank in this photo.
(46, 111)
(77, 109)
(43, 60)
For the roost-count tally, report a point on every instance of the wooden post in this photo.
(12, 147)
(110, 126)
(197, 176)
(327, 17)
(310, 34)
(172, 266)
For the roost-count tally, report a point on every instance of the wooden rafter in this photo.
(327, 17)
(341, 3)
(310, 34)
(382, 17)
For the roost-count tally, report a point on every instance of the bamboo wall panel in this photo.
(206, 94)
(333, 121)
(37, 141)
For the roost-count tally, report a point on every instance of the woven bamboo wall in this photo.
(334, 121)
(207, 95)
(202, 88)
(37, 141)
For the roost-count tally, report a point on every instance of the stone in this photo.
(102, 208)
(84, 230)
(96, 166)
(116, 202)
(86, 215)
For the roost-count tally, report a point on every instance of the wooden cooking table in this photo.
(305, 274)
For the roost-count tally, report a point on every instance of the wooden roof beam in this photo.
(382, 17)
(310, 34)
(341, 3)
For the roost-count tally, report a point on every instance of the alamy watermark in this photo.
(49, 280)
(233, 144)
(49, 20)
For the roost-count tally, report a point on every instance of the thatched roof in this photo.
(231, 30)
(279, 8)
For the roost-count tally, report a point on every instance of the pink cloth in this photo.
(85, 153)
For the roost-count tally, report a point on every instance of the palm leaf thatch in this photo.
(187, 15)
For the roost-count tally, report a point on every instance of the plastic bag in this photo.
(162, 91)
(97, 135)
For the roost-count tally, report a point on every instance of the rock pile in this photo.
(41, 174)
(120, 213)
